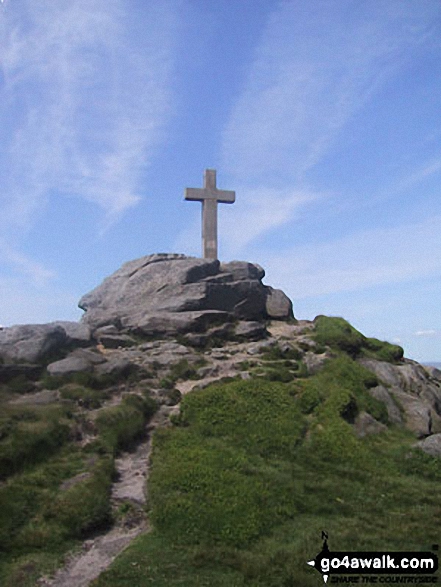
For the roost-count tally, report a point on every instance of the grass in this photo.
(339, 334)
(29, 436)
(243, 485)
(181, 371)
(85, 397)
(89, 380)
(41, 516)
(120, 427)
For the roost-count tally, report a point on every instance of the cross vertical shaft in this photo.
(209, 195)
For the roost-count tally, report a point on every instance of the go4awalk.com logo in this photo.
(376, 567)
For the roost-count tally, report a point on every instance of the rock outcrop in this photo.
(169, 294)
(221, 315)
(412, 394)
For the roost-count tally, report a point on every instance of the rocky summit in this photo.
(161, 310)
(169, 294)
(267, 395)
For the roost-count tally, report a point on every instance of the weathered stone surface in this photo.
(418, 417)
(365, 425)
(31, 343)
(277, 304)
(77, 334)
(431, 445)
(165, 294)
(251, 330)
(69, 366)
(238, 270)
(314, 362)
(414, 389)
(90, 355)
(393, 411)
(261, 347)
(118, 366)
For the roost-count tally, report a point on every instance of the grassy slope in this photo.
(39, 519)
(253, 471)
(241, 486)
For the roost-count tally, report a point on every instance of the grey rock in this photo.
(31, 343)
(393, 411)
(207, 371)
(365, 425)
(147, 346)
(277, 305)
(314, 363)
(165, 294)
(77, 334)
(171, 323)
(69, 366)
(415, 390)
(105, 330)
(433, 372)
(91, 356)
(196, 340)
(431, 445)
(220, 333)
(118, 366)
(171, 347)
(251, 330)
(242, 270)
(261, 347)
(418, 416)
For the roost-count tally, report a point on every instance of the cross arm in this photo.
(201, 194)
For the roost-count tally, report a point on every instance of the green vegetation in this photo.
(280, 365)
(181, 371)
(339, 334)
(120, 427)
(53, 492)
(90, 399)
(29, 436)
(89, 380)
(242, 486)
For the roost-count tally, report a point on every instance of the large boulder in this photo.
(170, 293)
(411, 387)
(431, 445)
(31, 343)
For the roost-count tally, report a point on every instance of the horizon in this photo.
(323, 118)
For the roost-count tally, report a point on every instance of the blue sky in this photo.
(322, 115)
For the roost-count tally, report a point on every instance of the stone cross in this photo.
(209, 195)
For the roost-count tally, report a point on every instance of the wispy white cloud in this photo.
(422, 171)
(317, 64)
(83, 99)
(426, 333)
(259, 211)
(359, 261)
(35, 272)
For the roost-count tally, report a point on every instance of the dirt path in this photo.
(97, 554)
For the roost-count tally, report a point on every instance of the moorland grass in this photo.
(41, 517)
(243, 485)
(120, 427)
(30, 435)
(339, 334)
